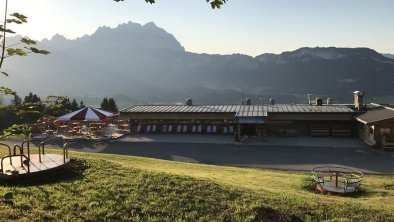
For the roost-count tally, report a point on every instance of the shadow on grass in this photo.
(69, 172)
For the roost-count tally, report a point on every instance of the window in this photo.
(384, 131)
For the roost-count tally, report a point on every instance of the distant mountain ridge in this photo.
(144, 63)
(391, 56)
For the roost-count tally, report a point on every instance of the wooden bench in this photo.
(319, 130)
(341, 131)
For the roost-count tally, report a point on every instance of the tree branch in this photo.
(13, 45)
(4, 33)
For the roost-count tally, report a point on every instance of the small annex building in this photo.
(376, 126)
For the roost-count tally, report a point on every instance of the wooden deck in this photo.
(48, 162)
(331, 187)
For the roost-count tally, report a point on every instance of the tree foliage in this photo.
(109, 105)
(214, 3)
(16, 101)
(82, 105)
(21, 48)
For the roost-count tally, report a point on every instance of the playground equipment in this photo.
(21, 163)
(337, 179)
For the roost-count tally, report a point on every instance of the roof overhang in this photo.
(250, 120)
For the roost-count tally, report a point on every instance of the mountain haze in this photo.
(145, 64)
(391, 56)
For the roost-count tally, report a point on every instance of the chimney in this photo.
(358, 100)
(272, 101)
(319, 102)
(189, 102)
(248, 101)
(310, 99)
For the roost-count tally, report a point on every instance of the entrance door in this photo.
(248, 129)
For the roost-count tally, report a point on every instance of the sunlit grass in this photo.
(143, 189)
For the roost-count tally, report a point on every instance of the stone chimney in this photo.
(319, 102)
(272, 101)
(189, 102)
(359, 100)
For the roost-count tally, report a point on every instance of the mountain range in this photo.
(145, 64)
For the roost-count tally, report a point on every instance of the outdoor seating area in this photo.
(334, 179)
(86, 123)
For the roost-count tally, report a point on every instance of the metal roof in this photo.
(376, 114)
(239, 110)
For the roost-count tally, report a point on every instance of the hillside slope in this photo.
(128, 188)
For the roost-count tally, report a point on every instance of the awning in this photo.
(251, 120)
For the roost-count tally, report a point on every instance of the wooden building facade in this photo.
(239, 120)
(376, 126)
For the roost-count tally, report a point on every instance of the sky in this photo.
(251, 27)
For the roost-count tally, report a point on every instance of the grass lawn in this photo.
(125, 188)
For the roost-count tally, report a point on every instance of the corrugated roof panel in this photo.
(188, 109)
(331, 109)
(155, 109)
(183, 109)
(152, 109)
(206, 109)
(303, 109)
(171, 109)
(198, 109)
(213, 109)
(166, 109)
(138, 108)
(241, 110)
(234, 108)
(255, 110)
(314, 108)
(322, 109)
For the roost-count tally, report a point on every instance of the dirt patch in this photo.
(264, 214)
(71, 171)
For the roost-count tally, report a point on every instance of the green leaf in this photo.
(17, 21)
(6, 30)
(7, 91)
(39, 51)
(20, 17)
(16, 51)
(216, 3)
(28, 41)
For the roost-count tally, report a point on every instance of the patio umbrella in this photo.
(87, 114)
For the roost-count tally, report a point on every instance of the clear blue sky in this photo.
(250, 27)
